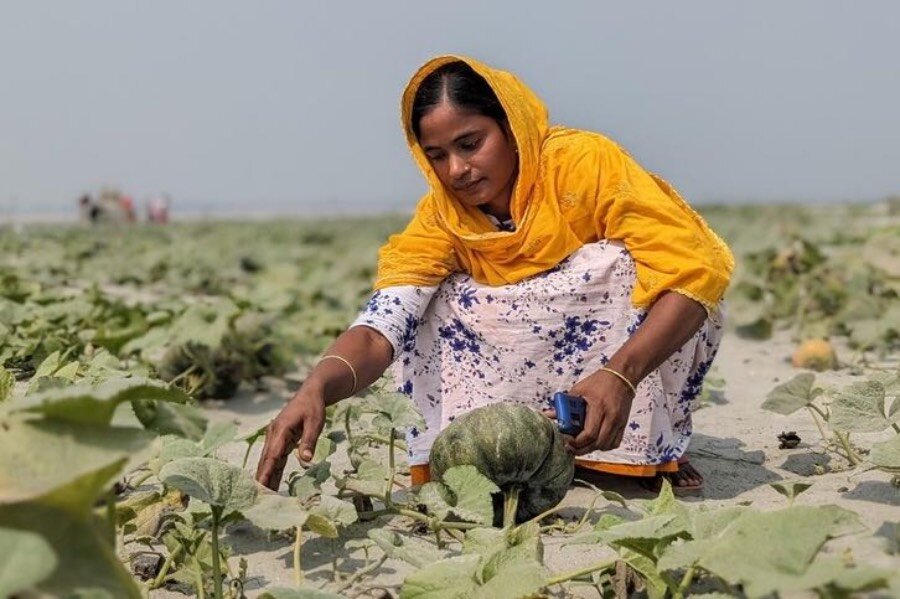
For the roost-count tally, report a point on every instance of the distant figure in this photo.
(89, 211)
(158, 209)
(126, 203)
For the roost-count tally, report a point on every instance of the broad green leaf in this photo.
(417, 552)
(37, 457)
(522, 542)
(789, 397)
(859, 408)
(217, 434)
(655, 584)
(283, 593)
(334, 510)
(465, 492)
(707, 523)
(96, 404)
(394, 410)
(452, 578)
(184, 420)
(513, 578)
(7, 383)
(325, 447)
(25, 560)
(64, 519)
(48, 366)
(735, 555)
(370, 478)
(307, 483)
(886, 455)
(211, 481)
(791, 488)
(471, 492)
(276, 512)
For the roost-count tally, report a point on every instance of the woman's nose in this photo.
(458, 167)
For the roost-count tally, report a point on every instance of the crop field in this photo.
(140, 365)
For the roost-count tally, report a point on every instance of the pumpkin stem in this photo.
(510, 506)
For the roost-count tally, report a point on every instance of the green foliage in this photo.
(211, 481)
(26, 559)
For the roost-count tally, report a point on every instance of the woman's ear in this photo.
(507, 131)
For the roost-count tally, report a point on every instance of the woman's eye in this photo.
(435, 157)
(469, 146)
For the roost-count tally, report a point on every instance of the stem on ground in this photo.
(391, 474)
(812, 412)
(685, 582)
(566, 576)
(298, 572)
(216, 566)
(844, 439)
(167, 565)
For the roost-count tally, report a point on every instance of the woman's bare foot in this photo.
(686, 481)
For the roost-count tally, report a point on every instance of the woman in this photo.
(542, 259)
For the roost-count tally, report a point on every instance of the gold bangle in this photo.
(349, 365)
(621, 377)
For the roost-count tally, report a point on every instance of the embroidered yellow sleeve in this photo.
(672, 246)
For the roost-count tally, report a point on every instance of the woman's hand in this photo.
(608, 406)
(301, 420)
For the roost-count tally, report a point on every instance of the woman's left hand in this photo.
(608, 406)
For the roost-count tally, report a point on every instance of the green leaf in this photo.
(7, 384)
(37, 457)
(308, 483)
(217, 435)
(184, 420)
(886, 454)
(25, 560)
(394, 410)
(96, 404)
(789, 397)
(472, 494)
(735, 553)
(211, 481)
(417, 552)
(276, 512)
(465, 493)
(332, 510)
(791, 488)
(370, 478)
(859, 408)
(64, 519)
(514, 578)
(523, 542)
(452, 578)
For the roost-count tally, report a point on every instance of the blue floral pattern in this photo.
(462, 345)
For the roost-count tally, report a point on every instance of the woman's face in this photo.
(473, 156)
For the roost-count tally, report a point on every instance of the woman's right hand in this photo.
(297, 425)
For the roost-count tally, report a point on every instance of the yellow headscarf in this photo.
(573, 187)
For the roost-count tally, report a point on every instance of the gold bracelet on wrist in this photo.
(622, 378)
(349, 365)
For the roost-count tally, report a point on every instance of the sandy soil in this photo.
(735, 447)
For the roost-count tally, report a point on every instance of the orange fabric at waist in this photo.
(421, 473)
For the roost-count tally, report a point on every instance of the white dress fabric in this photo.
(462, 344)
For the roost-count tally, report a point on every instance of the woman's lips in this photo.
(470, 187)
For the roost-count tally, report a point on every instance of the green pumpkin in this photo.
(520, 450)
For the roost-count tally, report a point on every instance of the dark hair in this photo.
(464, 88)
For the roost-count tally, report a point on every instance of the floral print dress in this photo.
(461, 345)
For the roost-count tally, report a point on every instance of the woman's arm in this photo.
(671, 322)
(302, 419)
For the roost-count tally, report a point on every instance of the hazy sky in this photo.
(294, 105)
